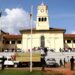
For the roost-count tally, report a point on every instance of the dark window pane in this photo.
(42, 19)
(39, 19)
(73, 41)
(42, 41)
(7, 42)
(19, 42)
(13, 42)
(64, 41)
(45, 19)
(68, 41)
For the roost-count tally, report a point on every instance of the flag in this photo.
(0, 14)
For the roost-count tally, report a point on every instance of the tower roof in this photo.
(42, 3)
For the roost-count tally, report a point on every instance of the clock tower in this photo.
(42, 22)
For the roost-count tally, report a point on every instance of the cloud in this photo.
(14, 20)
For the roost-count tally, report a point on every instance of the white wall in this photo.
(52, 40)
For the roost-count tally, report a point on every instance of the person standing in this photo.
(72, 63)
(2, 63)
(43, 62)
(61, 62)
(45, 51)
(64, 62)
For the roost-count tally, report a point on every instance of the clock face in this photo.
(42, 10)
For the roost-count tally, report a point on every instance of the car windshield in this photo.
(51, 59)
(9, 59)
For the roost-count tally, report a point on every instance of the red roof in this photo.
(12, 36)
(69, 35)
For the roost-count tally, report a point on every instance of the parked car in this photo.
(20, 50)
(50, 62)
(8, 62)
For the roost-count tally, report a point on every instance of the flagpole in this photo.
(0, 20)
(31, 40)
(1, 29)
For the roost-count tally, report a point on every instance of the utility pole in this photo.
(31, 39)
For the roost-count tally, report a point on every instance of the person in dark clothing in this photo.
(60, 50)
(3, 59)
(64, 62)
(72, 63)
(61, 62)
(43, 63)
(45, 50)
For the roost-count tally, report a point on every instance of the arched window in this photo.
(39, 19)
(42, 19)
(42, 41)
(45, 19)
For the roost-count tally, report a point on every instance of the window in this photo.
(19, 42)
(42, 19)
(73, 41)
(68, 41)
(7, 42)
(39, 19)
(42, 41)
(64, 41)
(45, 19)
(13, 42)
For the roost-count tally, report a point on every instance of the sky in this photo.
(15, 14)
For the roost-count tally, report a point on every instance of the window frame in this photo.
(68, 41)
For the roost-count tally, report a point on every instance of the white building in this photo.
(43, 35)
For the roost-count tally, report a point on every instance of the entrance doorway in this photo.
(42, 41)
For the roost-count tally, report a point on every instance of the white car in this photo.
(50, 62)
(20, 50)
(9, 62)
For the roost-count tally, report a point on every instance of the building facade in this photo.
(10, 42)
(43, 35)
(69, 41)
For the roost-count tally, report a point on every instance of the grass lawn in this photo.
(23, 72)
